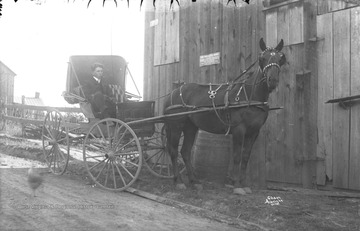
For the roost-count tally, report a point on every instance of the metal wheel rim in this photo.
(54, 138)
(156, 157)
(112, 154)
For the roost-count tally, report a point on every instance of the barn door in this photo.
(339, 76)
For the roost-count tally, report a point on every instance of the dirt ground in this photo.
(281, 209)
(64, 203)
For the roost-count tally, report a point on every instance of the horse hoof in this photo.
(239, 191)
(247, 190)
(180, 186)
(198, 187)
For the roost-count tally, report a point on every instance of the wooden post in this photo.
(22, 115)
(308, 158)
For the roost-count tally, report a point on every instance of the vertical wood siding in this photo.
(338, 60)
(325, 90)
(307, 132)
(326, 6)
(354, 158)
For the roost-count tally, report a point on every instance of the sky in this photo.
(36, 41)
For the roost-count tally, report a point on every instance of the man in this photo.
(95, 90)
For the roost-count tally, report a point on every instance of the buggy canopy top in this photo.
(79, 68)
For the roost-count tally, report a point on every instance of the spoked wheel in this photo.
(55, 140)
(156, 157)
(112, 154)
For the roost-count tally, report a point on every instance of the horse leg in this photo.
(173, 134)
(238, 141)
(190, 131)
(249, 140)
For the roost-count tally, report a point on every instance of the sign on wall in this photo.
(210, 59)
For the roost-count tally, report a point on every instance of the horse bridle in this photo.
(273, 64)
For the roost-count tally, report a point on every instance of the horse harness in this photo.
(212, 92)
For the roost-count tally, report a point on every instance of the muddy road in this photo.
(67, 203)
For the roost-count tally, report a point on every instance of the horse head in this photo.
(270, 61)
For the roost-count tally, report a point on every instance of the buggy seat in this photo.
(79, 68)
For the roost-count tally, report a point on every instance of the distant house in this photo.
(6, 84)
(32, 101)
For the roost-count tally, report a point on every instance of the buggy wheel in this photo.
(55, 141)
(112, 154)
(156, 157)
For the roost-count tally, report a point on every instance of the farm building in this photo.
(6, 84)
(31, 101)
(308, 142)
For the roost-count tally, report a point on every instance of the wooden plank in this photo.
(281, 3)
(285, 133)
(308, 159)
(176, 33)
(226, 11)
(215, 41)
(341, 118)
(342, 4)
(185, 43)
(166, 44)
(251, 15)
(325, 90)
(43, 108)
(241, 17)
(293, 126)
(160, 17)
(323, 7)
(275, 162)
(163, 82)
(167, 56)
(316, 169)
(260, 28)
(354, 159)
(283, 24)
(24, 120)
(194, 40)
(232, 45)
(296, 23)
(205, 37)
(163, 8)
(175, 71)
(155, 88)
(172, 35)
(256, 170)
(271, 28)
(148, 52)
(254, 34)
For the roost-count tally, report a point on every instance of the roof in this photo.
(3, 64)
(29, 101)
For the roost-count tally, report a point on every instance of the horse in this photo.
(243, 123)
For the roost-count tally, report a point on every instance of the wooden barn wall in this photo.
(291, 132)
(205, 27)
(339, 65)
(288, 142)
(6, 84)
(327, 6)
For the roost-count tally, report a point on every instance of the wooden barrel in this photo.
(211, 156)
